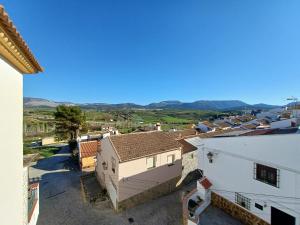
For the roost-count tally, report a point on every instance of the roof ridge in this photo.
(137, 133)
(112, 144)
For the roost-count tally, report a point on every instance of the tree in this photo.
(70, 120)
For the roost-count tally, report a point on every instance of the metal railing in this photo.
(32, 200)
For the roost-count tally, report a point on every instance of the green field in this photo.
(43, 151)
(37, 120)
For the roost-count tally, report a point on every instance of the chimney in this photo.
(158, 127)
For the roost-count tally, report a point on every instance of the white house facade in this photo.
(15, 60)
(260, 174)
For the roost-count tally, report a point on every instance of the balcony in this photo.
(33, 203)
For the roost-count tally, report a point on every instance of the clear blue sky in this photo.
(144, 51)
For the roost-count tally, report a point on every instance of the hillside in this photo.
(197, 105)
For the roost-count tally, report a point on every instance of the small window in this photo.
(242, 201)
(171, 160)
(192, 155)
(151, 162)
(266, 174)
(259, 206)
(113, 164)
(104, 164)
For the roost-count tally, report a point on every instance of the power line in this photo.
(273, 196)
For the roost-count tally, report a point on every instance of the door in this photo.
(279, 217)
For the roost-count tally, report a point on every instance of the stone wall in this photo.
(189, 164)
(236, 211)
(150, 194)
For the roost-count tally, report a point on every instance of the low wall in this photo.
(185, 212)
(236, 211)
(150, 194)
(88, 164)
(48, 141)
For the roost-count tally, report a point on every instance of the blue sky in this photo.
(145, 51)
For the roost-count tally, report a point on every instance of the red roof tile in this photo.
(205, 183)
(187, 147)
(88, 149)
(136, 145)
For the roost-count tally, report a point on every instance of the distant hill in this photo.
(202, 105)
(265, 106)
(174, 104)
(40, 102)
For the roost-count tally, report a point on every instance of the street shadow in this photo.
(60, 161)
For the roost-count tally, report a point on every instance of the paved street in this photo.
(61, 201)
(215, 216)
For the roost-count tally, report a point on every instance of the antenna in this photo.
(293, 100)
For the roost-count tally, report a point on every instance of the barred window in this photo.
(266, 174)
(242, 201)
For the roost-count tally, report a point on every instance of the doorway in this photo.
(279, 217)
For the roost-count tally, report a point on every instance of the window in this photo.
(259, 206)
(151, 162)
(192, 155)
(266, 174)
(104, 164)
(170, 160)
(113, 164)
(242, 201)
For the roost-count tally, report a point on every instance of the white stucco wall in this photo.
(25, 195)
(283, 123)
(134, 177)
(296, 113)
(232, 170)
(108, 176)
(11, 139)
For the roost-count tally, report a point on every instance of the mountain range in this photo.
(197, 105)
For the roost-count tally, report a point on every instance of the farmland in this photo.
(39, 122)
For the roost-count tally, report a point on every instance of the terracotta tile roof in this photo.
(208, 124)
(183, 133)
(186, 147)
(21, 46)
(137, 145)
(215, 133)
(88, 148)
(206, 184)
(224, 124)
(271, 131)
(249, 126)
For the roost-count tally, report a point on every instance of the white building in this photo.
(15, 60)
(285, 123)
(206, 126)
(296, 113)
(259, 175)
